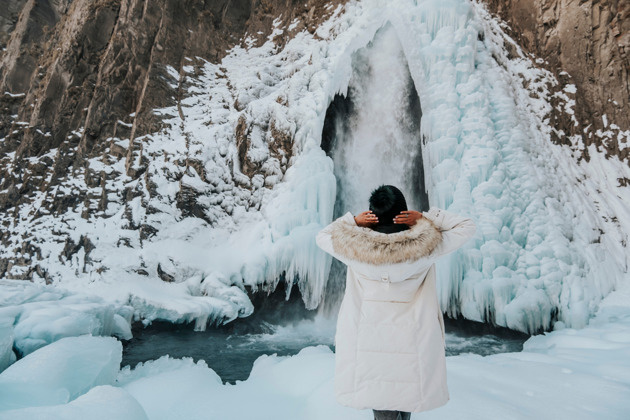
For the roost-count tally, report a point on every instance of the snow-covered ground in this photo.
(566, 374)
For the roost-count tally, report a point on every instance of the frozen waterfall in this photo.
(545, 253)
(373, 136)
(373, 133)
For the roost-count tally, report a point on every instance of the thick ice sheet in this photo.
(60, 372)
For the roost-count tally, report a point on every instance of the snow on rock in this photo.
(100, 403)
(235, 186)
(60, 372)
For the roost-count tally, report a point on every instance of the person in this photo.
(390, 349)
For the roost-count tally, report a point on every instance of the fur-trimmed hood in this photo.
(368, 246)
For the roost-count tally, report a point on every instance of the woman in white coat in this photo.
(390, 332)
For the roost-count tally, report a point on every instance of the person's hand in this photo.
(366, 219)
(409, 217)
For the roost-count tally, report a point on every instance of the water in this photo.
(231, 351)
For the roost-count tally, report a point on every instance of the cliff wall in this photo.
(587, 44)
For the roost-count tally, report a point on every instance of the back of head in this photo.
(386, 202)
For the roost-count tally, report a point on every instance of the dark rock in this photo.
(590, 41)
(168, 278)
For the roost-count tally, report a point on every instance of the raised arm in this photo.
(324, 238)
(456, 230)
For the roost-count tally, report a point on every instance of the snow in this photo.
(564, 374)
(60, 372)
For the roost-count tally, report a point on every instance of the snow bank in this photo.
(100, 403)
(60, 372)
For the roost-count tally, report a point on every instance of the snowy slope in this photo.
(245, 148)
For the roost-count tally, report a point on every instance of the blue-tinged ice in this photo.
(33, 316)
(103, 402)
(60, 372)
(7, 356)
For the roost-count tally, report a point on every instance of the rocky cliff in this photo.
(586, 44)
(79, 75)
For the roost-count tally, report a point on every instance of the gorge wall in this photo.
(77, 75)
(585, 43)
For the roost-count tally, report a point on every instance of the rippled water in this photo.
(232, 350)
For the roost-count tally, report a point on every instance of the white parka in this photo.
(390, 331)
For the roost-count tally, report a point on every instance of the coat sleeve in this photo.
(324, 237)
(456, 230)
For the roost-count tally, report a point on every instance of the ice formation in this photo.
(246, 148)
(32, 316)
(103, 402)
(60, 372)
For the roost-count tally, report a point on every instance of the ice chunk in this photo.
(100, 403)
(39, 315)
(6, 345)
(60, 372)
(169, 388)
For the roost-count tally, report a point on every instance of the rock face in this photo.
(77, 76)
(100, 66)
(587, 44)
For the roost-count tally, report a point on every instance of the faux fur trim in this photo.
(368, 246)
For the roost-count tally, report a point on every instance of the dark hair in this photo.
(386, 202)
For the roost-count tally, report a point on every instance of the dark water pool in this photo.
(232, 350)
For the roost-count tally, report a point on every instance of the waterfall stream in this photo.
(373, 136)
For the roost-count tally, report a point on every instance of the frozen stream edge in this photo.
(565, 374)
